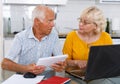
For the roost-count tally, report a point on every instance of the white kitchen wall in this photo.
(67, 15)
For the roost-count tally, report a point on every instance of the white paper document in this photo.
(50, 60)
(19, 79)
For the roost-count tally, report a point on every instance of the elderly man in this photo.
(33, 43)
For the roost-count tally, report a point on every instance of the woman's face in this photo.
(86, 26)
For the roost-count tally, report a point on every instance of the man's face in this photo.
(46, 25)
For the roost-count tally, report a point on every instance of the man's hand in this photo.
(36, 69)
(59, 66)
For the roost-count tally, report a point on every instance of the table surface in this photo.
(73, 80)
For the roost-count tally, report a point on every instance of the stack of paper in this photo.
(19, 79)
(50, 60)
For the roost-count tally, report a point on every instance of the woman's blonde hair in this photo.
(96, 15)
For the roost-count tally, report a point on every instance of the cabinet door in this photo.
(50, 2)
(23, 1)
(55, 2)
(7, 45)
(116, 41)
(62, 42)
(109, 1)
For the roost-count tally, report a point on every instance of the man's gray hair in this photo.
(39, 12)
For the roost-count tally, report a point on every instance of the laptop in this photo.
(103, 62)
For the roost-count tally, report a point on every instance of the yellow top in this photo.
(77, 49)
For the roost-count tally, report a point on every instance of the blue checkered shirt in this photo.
(28, 49)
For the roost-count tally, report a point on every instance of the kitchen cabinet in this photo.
(62, 40)
(22, 1)
(7, 45)
(109, 1)
(116, 41)
(55, 2)
(32, 2)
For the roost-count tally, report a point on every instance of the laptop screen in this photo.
(103, 62)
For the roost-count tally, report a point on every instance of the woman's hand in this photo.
(59, 66)
(81, 63)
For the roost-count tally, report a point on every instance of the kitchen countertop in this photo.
(12, 36)
(62, 35)
(115, 36)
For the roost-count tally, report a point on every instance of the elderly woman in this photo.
(92, 24)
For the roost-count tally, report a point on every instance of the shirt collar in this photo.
(31, 35)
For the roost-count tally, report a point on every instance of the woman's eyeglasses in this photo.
(85, 22)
